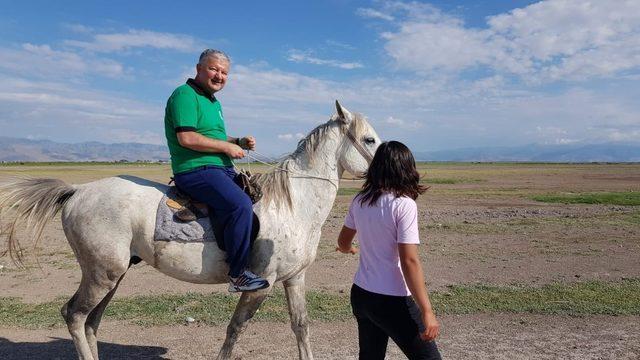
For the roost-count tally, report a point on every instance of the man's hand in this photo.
(248, 143)
(432, 326)
(234, 151)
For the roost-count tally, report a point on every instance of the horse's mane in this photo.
(275, 184)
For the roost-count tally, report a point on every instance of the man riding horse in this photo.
(202, 165)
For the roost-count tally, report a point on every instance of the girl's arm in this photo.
(414, 277)
(345, 241)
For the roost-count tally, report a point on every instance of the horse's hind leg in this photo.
(294, 291)
(96, 286)
(93, 321)
(245, 309)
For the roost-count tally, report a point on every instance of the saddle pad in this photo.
(169, 228)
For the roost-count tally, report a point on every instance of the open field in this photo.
(524, 261)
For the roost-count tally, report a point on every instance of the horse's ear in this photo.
(344, 115)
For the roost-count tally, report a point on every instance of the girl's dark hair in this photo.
(393, 170)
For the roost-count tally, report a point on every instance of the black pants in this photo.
(382, 316)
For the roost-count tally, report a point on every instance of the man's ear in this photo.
(344, 115)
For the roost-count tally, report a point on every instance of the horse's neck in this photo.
(315, 181)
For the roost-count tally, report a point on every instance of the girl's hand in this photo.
(345, 241)
(432, 326)
(351, 250)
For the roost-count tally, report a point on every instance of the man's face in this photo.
(212, 74)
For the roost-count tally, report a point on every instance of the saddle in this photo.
(183, 218)
(187, 209)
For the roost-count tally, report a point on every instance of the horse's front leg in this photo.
(294, 291)
(245, 309)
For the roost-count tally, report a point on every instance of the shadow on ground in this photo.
(59, 348)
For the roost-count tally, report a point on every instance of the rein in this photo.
(332, 181)
(364, 152)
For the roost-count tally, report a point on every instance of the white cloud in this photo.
(306, 57)
(551, 130)
(554, 135)
(563, 141)
(137, 39)
(393, 121)
(623, 136)
(261, 94)
(413, 10)
(78, 28)
(340, 45)
(575, 115)
(55, 63)
(58, 96)
(546, 41)
(73, 113)
(426, 47)
(373, 14)
(413, 125)
(289, 137)
(262, 85)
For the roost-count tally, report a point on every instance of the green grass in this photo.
(439, 181)
(210, 309)
(629, 198)
(434, 180)
(580, 299)
(348, 191)
(633, 218)
(539, 224)
(588, 298)
(480, 193)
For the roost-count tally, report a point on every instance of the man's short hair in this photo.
(213, 53)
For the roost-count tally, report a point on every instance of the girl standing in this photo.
(389, 297)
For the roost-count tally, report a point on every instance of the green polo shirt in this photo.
(189, 108)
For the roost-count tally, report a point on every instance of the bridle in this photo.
(361, 149)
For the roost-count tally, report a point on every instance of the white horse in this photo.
(112, 220)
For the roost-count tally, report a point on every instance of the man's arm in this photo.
(198, 142)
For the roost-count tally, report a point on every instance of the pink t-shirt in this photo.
(380, 228)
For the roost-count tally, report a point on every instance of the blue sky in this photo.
(435, 75)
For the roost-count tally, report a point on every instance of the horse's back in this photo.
(122, 196)
(112, 216)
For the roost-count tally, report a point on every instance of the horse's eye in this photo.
(369, 141)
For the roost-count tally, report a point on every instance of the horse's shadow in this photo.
(64, 349)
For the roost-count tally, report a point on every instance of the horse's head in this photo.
(359, 143)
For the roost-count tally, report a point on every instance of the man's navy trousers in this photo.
(230, 209)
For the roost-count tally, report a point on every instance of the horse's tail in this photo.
(33, 202)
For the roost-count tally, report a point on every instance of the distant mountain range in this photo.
(14, 149)
(608, 152)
